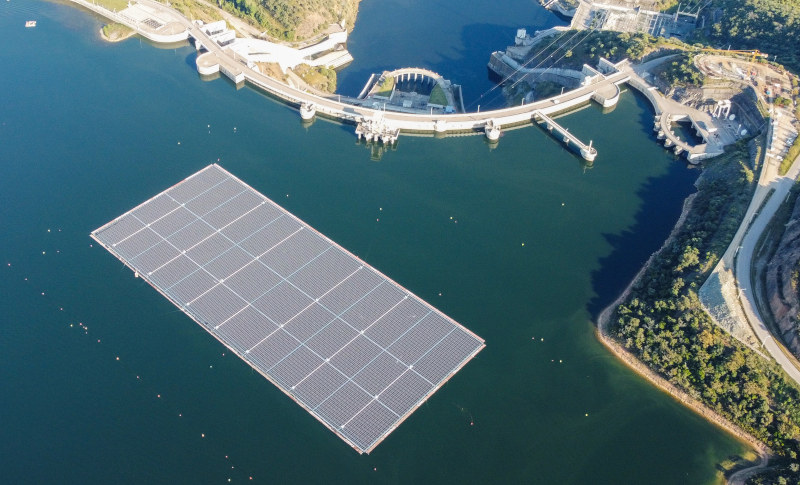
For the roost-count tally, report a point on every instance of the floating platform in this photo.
(355, 349)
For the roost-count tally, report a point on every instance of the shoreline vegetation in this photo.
(656, 326)
(658, 329)
(286, 21)
(115, 32)
(621, 353)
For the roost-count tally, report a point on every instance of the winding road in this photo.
(746, 246)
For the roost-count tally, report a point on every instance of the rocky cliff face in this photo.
(781, 281)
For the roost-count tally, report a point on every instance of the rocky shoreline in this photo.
(608, 340)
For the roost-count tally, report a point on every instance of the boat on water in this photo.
(30, 23)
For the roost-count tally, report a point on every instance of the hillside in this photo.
(662, 323)
(772, 26)
(293, 19)
(781, 281)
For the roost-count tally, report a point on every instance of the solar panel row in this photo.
(354, 348)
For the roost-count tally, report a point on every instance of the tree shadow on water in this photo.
(662, 201)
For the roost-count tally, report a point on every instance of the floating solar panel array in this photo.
(353, 347)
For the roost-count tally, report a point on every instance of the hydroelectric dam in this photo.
(162, 24)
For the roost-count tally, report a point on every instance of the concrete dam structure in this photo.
(601, 84)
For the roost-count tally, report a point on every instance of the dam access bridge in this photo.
(601, 85)
(385, 125)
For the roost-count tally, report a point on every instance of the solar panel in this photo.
(354, 348)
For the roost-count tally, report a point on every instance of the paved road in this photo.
(332, 106)
(747, 246)
(739, 254)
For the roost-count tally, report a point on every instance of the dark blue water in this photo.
(452, 37)
(88, 130)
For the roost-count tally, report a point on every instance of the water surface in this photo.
(521, 244)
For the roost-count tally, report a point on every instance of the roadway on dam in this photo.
(348, 109)
(604, 88)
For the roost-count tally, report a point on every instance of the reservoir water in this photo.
(104, 381)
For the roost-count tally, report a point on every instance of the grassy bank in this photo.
(662, 323)
(794, 152)
(113, 5)
(196, 10)
(386, 87)
(320, 78)
(116, 32)
(438, 96)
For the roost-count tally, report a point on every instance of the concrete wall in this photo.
(607, 101)
(507, 68)
(647, 91)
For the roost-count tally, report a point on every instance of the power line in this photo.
(588, 32)
(522, 66)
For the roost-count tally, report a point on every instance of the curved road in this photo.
(747, 246)
(421, 122)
